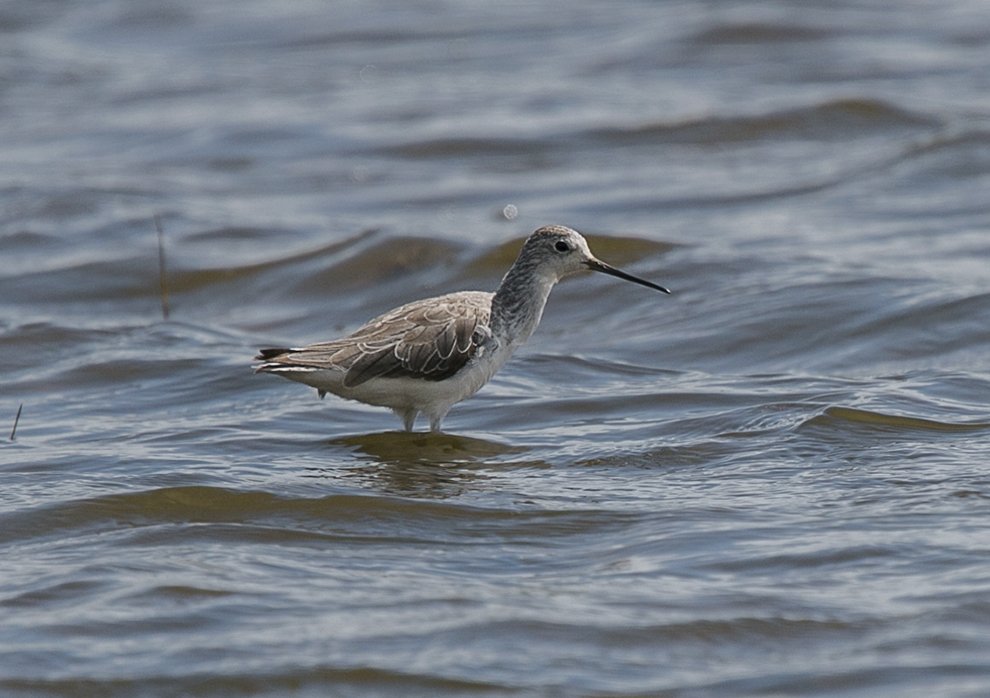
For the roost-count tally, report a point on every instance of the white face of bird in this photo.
(565, 252)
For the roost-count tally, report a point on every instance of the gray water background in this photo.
(773, 482)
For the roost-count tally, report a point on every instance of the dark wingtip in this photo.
(265, 354)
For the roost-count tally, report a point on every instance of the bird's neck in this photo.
(517, 305)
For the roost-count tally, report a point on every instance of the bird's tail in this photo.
(265, 354)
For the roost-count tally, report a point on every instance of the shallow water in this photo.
(775, 481)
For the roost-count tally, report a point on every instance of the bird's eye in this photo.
(561, 246)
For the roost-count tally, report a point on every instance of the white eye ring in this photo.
(561, 246)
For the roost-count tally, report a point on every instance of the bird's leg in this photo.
(408, 417)
(435, 420)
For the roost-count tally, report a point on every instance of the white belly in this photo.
(405, 393)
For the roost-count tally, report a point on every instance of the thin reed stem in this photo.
(17, 419)
(162, 273)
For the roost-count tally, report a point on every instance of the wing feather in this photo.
(431, 339)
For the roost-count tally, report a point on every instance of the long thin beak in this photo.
(596, 265)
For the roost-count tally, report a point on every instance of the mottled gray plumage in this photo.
(430, 339)
(427, 355)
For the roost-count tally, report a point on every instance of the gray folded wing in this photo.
(431, 339)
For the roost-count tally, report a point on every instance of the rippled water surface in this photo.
(775, 481)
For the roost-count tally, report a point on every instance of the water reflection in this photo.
(423, 464)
